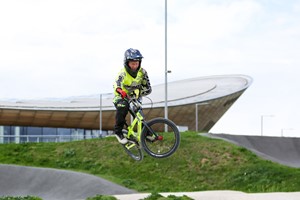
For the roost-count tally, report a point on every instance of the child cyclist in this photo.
(131, 77)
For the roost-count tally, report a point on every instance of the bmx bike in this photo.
(158, 137)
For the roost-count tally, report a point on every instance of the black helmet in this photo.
(132, 55)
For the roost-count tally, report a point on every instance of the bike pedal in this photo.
(150, 138)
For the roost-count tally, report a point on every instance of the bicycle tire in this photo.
(133, 149)
(162, 144)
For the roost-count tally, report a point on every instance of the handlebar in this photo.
(134, 101)
(134, 104)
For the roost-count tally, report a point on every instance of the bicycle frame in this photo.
(138, 121)
(141, 134)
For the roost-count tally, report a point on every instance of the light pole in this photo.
(285, 129)
(166, 64)
(196, 116)
(262, 122)
(100, 113)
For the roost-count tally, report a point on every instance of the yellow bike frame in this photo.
(136, 122)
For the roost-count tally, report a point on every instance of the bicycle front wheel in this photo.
(132, 147)
(133, 150)
(160, 137)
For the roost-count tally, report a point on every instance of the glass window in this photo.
(34, 134)
(8, 137)
(22, 134)
(64, 134)
(95, 133)
(77, 134)
(88, 134)
(49, 134)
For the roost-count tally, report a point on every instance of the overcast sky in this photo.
(62, 48)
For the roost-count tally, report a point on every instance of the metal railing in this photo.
(43, 138)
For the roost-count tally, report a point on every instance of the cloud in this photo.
(72, 44)
(63, 48)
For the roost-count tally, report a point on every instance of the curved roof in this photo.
(83, 111)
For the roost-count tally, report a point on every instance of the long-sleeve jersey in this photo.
(129, 84)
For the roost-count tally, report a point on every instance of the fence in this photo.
(43, 138)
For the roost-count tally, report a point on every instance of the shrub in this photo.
(102, 197)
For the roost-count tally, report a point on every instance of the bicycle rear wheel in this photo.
(160, 137)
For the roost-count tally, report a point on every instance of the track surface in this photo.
(282, 150)
(52, 184)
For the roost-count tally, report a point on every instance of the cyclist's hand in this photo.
(122, 93)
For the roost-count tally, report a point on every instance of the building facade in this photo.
(193, 104)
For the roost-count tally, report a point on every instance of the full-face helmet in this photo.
(132, 55)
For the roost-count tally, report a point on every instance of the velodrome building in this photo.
(193, 104)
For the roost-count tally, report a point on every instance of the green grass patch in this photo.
(200, 163)
(156, 196)
(102, 197)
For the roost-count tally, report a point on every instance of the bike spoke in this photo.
(161, 138)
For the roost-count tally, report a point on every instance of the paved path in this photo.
(221, 195)
(52, 184)
(283, 150)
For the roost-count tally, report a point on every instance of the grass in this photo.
(199, 164)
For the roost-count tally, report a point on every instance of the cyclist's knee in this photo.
(122, 108)
(121, 104)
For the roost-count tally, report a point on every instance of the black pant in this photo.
(122, 107)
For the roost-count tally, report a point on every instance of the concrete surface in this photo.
(52, 184)
(221, 195)
(282, 150)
